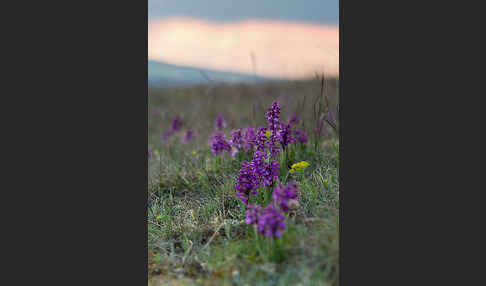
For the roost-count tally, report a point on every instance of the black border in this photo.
(79, 202)
(78, 102)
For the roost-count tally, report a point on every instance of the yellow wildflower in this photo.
(299, 166)
(193, 152)
(268, 134)
(155, 152)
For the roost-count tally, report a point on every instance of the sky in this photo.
(294, 39)
(318, 11)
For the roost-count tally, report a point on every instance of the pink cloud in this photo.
(281, 49)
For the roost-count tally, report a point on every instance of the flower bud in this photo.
(293, 204)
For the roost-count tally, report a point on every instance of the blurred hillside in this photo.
(166, 75)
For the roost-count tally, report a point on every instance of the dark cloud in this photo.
(318, 11)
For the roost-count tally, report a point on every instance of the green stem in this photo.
(286, 177)
(286, 157)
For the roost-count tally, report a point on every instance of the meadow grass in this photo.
(196, 229)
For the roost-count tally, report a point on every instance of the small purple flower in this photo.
(252, 214)
(285, 133)
(250, 138)
(300, 135)
(278, 132)
(266, 173)
(294, 119)
(236, 139)
(273, 148)
(261, 139)
(286, 197)
(272, 172)
(166, 135)
(188, 136)
(329, 116)
(271, 222)
(243, 197)
(176, 124)
(273, 116)
(149, 153)
(219, 124)
(219, 144)
(246, 182)
(331, 120)
(259, 166)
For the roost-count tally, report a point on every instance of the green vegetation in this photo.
(196, 229)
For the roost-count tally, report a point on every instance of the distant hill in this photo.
(166, 75)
